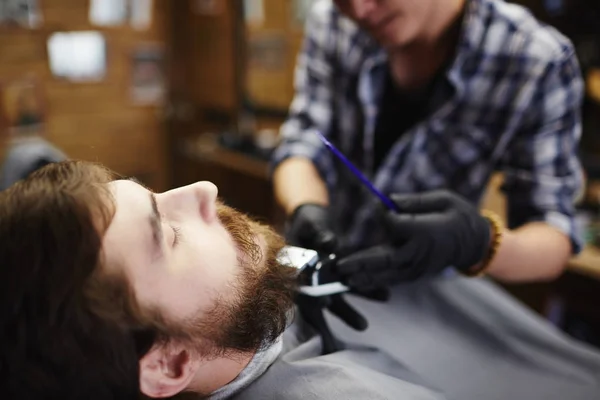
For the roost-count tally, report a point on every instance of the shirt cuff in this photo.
(567, 225)
(317, 153)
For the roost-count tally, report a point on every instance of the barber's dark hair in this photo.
(67, 330)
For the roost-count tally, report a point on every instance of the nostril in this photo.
(207, 198)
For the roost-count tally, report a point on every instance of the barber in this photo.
(429, 98)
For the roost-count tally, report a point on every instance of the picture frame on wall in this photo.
(112, 13)
(208, 7)
(22, 108)
(108, 12)
(267, 52)
(140, 13)
(254, 12)
(20, 14)
(78, 56)
(148, 80)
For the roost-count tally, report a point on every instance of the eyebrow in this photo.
(156, 228)
(155, 221)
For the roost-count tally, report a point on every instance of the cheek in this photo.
(191, 277)
(211, 256)
(205, 266)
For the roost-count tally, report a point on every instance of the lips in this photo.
(376, 23)
(382, 23)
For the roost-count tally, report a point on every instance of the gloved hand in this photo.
(432, 231)
(311, 309)
(310, 227)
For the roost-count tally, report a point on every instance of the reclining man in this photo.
(111, 291)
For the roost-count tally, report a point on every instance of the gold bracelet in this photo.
(498, 230)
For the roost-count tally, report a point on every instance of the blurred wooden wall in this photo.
(94, 121)
(268, 85)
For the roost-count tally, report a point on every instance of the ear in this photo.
(166, 371)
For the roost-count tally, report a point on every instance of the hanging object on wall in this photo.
(108, 12)
(254, 12)
(77, 56)
(141, 14)
(21, 108)
(148, 82)
(20, 13)
(267, 52)
(267, 72)
(137, 13)
(208, 7)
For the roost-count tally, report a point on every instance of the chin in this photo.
(393, 42)
(395, 36)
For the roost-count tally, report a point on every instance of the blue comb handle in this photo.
(386, 200)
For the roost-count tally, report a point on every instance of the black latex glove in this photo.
(310, 227)
(311, 309)
(431, 231)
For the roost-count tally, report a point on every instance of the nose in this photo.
(206, 189)
(207, 193)
(198, 197)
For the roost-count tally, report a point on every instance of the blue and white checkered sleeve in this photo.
(311, 108)
(543, 174)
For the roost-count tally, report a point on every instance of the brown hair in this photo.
(68, 330)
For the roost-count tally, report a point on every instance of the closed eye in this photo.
(176, 235)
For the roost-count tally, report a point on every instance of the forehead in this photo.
(123, 239)
(126, 192)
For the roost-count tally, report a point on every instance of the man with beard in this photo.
(107, 286)
(111, 291)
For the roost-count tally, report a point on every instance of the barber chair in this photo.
(26, 155)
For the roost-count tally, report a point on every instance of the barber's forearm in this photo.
(533, 252)
(296, 181)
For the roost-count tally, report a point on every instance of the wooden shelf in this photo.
(231, 159)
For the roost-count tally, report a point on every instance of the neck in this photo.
(443, 18)
(412, 65)
(216, 373)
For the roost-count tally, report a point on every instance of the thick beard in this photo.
(257, 312)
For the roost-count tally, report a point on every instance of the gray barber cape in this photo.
(449, 338)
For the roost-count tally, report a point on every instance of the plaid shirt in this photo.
(510, 102)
